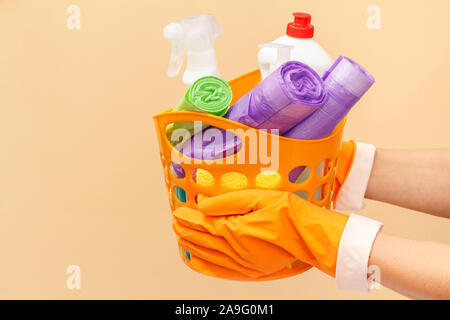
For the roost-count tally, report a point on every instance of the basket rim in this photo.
(168, 112)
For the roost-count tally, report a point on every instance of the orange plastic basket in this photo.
(319, 157)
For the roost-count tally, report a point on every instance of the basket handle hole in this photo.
(323, 168)
(299, 174)
(177, 170)
(181, 194)
(199, 198)
(302, 194)
(234, 180)
(268, 180)
(203, 177)
(322, 192)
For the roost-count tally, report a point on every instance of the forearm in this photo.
(416, 179)
(416, 269)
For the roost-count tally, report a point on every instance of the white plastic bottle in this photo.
(299, 37)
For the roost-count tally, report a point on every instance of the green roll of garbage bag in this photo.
(208, 95)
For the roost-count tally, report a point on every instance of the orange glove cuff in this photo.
(343, 167)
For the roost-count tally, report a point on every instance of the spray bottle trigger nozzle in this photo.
(193, 38)
(174, 33)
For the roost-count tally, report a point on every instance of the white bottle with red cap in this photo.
(297, 44)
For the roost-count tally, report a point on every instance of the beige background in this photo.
(80, 178)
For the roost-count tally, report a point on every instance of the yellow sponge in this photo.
(268, 180)
(237, 180)
(204, 178)
(201, 197)
(234, 180)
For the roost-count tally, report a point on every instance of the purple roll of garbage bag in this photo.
(346, 82)
(280, 101)
(212, 143)
(287, 96)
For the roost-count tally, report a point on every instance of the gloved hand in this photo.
(352, 175)
(254, 234)
(343, 166)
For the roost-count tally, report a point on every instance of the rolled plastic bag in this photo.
(211, 144)
(346, 82)
(208, 95)
(287, 96)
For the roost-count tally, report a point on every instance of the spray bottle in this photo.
(193, 37)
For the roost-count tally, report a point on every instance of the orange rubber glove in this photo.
(252, 234)
(343, 166)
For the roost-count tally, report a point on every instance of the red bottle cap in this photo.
(301, 27)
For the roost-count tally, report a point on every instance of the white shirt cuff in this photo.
(351, 196)
(353, 254)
